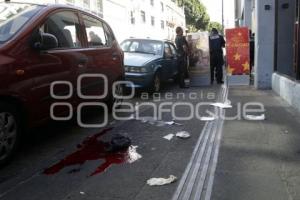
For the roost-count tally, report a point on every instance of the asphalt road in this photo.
(85, 171)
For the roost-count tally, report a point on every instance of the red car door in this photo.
(105, 59)
(57, 66)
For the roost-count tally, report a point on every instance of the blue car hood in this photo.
(138, 59)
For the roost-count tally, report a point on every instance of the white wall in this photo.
(115, 13)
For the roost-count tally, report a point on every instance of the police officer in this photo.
(216, 43)
(182, 51)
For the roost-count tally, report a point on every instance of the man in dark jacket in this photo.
(252, 51)
(182, 51)
(216, 43)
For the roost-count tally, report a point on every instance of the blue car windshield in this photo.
(143, 46)
(13, 16)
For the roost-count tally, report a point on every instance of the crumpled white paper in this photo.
(169, 137)
(222, 105)
(207, 118)
(228, 102)
(132, 154)
(161, 181)
(183, 134)
(131, 117)
(155, 121)
(255, 117)
(173, 123)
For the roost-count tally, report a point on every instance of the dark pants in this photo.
(182, 71)
(216, 66)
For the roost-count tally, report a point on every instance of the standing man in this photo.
(252, 51)
(182, 50)
(216, 43)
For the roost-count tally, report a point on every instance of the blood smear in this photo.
(92, 148)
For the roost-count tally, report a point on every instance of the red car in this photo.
(48, 47)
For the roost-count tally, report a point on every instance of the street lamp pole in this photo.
(223, 15)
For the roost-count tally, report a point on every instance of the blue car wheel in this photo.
(156, 84)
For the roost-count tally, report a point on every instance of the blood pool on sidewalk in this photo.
(91, 149)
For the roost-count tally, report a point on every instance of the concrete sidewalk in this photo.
(259, 159)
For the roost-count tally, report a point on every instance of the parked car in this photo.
(149, 62)
(41, 44)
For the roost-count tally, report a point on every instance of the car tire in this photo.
(176, 78)
(120, 91)
(156, 83)
(10, 129)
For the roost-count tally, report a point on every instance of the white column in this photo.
(264, 43)
(248, 13)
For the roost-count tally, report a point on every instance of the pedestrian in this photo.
(216, 45)
(252, 50)
(182, 50)
(95, 40)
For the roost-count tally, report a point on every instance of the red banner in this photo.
(238, 52)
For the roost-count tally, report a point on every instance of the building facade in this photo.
(277, 45)
(244, 13)
(135, 18)
(154, 18)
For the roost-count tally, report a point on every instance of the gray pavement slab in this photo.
(259, 159)
(248, 186)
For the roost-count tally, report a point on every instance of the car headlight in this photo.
(143, 69)
(136, 69)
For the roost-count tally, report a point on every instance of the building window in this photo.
(162, 24)
(99, 6)
(180, 3)
(86, 3)
(132, 18)
(152, 21)
(143, 16)
(162, 6)
(152, 2)
(70, 2)
(99, 10)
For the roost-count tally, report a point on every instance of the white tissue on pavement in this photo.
(132, 154)
(183, 134)
(169, 137)
(207, 118)
(222, 105)
(161, 181)
(255, 117)
(173, 123)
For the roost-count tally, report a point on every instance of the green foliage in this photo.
(196, 15)
(216, 25)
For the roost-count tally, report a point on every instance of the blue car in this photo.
(149, 62)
